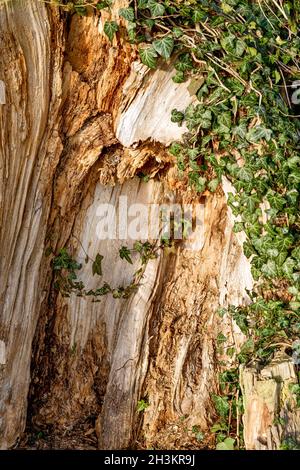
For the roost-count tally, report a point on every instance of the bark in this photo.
(81, 118)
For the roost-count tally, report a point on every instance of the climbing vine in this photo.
(65, 270)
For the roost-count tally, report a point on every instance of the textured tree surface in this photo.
(271, 414)
(79, 118)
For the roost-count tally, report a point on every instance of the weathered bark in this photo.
(271, 414)
(81, 118)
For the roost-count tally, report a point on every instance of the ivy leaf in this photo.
(240, 48)
(288, 267)
(184, 63)
(294, 177)
(276, 201)
(295, 306)
(142, 4)
(80, 10)
(156, 8)
(198, 15)
(124, 253)
(296, 253)
(102, 5)
(149, 23)
(221, 404)
(269, 269)
(213, 184)
(240, 130)
(110, 29)
(179, 77)
(131, 30)
(227, 43)
(177, 32)
(199, 182)
(236, 87)
(259, 132)
(193, 153)
(164, 46)
(97, 267)
(252, 202)
(245, 174)
(148, 57)
(177, 116)
(252, 51)
(293, 162)
(238, 227)
(284, 242)
(292, 196)
(218, 427)
(127, 13)
(226, 8)
(142, 406)
(281, 257)
(224, 121)
(272, 253)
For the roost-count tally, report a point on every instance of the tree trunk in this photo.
(80, 118)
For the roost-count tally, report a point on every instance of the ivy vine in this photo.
(66, 270)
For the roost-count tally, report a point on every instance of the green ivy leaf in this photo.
(281, 258)
(125, 253)
(238, 227)
(252, 201)
(293, 162)
(240, 48)
(213, 184)
(148, 57)
(294, 177)
(288, 267)
(221, 404)
(110, 29)
(199, 182)
(80, 10)
(240, 130)
(224, 121)
(164, 46)
(102, 5)
(177, 32)
(142, 405)
(97, 265)
(218, 427)
(295, 306)
(276, 201)
(296, 253)
(157, 9)
(228, 43)
(259, 132)
(131, 30)
(226, 8)
(245, 174)
(142, 4)
(198, 15)
(127, 13)
(179, 77)
(177, 116)
(269, 269)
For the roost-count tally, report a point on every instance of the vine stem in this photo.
(280, 9)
